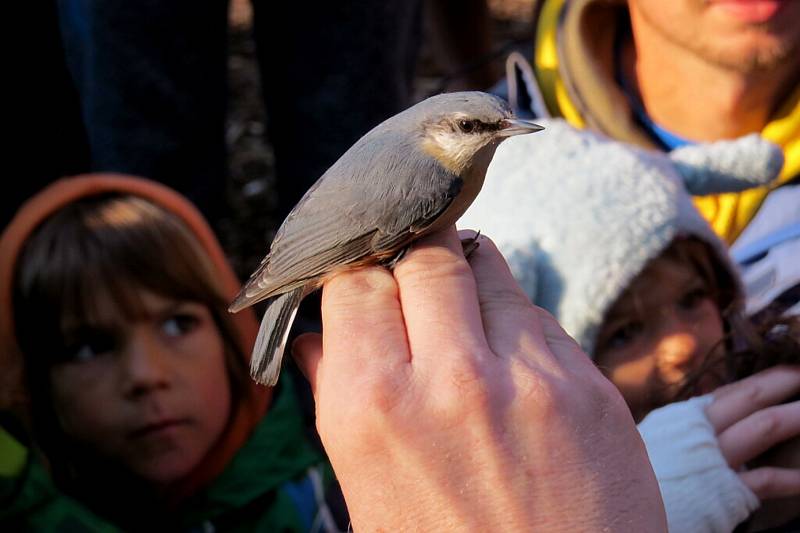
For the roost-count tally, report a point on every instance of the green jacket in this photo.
(275, 482)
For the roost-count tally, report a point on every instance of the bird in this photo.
(413, 174)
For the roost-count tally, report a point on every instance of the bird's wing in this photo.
(371, 207)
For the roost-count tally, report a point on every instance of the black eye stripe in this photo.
(476, 126)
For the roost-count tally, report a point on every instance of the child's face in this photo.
(661, 329)
(152, 394)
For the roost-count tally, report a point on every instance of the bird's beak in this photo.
(515, 126)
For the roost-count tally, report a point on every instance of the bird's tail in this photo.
(265, 364)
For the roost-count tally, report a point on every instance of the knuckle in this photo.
(467, 391)
(431, 266)
(604, 399)
(505, 299)
(381, 393)
(767, 421)
(369, 278)
(546, 392)
(746, 392)
(352, 287)
(604, 391)
(550, 395)
(605, 386)
(762, 480)
(598, 397)
(753, 393)
(373, 412)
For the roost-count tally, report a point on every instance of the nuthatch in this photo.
(413, 174)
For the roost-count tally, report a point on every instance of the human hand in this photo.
(757, 429)
(445, 400)
(697, 448)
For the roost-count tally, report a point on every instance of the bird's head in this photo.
(458, 126)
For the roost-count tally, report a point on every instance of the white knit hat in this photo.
(578, 216)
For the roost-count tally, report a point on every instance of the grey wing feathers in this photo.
(265, 363)
(369, 202)
(264, 284)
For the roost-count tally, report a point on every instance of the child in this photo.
(606, 238)
(135, 376)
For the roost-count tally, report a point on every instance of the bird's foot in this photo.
(470, 245)
(396, 259)
(467, 245)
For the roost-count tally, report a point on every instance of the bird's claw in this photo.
(470, 245)
(396, 259)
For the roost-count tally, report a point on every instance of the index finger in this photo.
(740, 399)
(440, 301)
(362, 324)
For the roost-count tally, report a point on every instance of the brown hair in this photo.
(721, 286)
(752, 344)
(110, 245)
(771, 342)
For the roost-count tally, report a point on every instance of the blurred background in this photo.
(247, 230)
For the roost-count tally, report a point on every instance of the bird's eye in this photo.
(467, 126)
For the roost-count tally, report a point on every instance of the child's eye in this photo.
(623, 335)
(693, 298)
(89, 347)
(179, 324)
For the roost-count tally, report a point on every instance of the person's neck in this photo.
(698, 100)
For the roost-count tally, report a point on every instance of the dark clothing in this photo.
(147, 83)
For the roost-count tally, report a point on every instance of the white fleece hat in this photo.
(578, 216)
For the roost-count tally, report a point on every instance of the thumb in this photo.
(307, 353)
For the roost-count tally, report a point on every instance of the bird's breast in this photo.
(472, 177)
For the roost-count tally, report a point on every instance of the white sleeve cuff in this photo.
(701, 493)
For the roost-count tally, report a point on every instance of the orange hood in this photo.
(31, 214)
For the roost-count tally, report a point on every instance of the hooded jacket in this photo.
(262, 457)
(572, 75)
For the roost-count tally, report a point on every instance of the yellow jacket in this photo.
(573, 69)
